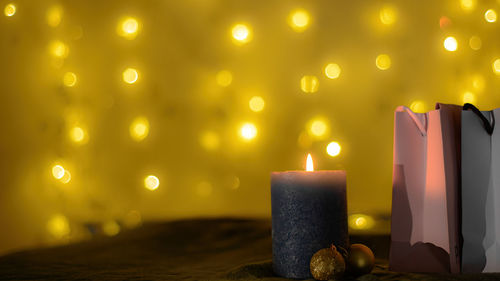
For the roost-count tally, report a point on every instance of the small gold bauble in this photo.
(360, 260)
(327, 264)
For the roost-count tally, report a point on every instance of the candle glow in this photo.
(309, 163)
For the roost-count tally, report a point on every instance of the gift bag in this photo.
(426, 179)
(480, 190)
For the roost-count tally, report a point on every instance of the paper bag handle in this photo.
(489, 127)
(421, 127)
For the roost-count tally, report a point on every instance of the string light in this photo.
(58, 226)
(450, 44)
(248, 131)
(58, 171)
(128, 28)
(66, 177)
(475, 43)
(132, 219)
(234, 182)
(490, 15)
(9, 10)
(130, 75)
(309, 84)
(333, 149)
(77, 135)
(299, 20)
(361, 221)
(209, 140)
(332, 70)
(496, 66)
(383, 62)
(388, 15)
(58, 49)
(444, 22)
(204, 189)
(69, 79)
(54, 15)
(478, 82)
(304, 140)
(468, 5)
(418, 106)
(151, 182)
(468, 97)
(256, 104)
(241, 33)
(224, 78)
(111, 228)
(139, 129)
(317, 127)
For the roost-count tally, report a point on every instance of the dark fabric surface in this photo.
(218, 249)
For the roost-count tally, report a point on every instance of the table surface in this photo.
(203, 249)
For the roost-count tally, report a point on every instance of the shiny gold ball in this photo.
(327, 264)
(360, 260)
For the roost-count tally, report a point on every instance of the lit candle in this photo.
(309, 212)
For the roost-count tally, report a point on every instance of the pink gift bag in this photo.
(425, 198)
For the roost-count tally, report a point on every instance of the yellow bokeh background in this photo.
(159, 110)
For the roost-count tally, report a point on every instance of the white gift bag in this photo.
(426, 178)
(480, 190)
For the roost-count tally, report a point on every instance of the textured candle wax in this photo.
(309, 212)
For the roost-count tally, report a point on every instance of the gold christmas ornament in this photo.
(360, 260)
(327, 264)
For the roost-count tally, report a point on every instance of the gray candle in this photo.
(309, 212)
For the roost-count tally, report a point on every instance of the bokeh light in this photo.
(248, 131)
(468, 5)
(475, 43)
(54, 15)
(128, 28)
(224, 78)
(450, 44)
(130, 75)
(361, 222)
(241, 33)
(58, 226)
(209, 140)
(478, 82)
(58, 49)
(317, 127)
(58, 171)
(69, 79)
(299, 20)
(333, 149)
(78, 135)
(496, 66)
(66, 177)
(469, 97)
(89, 113)
(139, 129)
(111, 228)
(151, 182)
(418, 106)
(234, 182)
(444, 22)
(132, 219)
(388, 15)
(256, 104)
(383, 62)
(332, 70)
(204, 188)
(9, 10)
(490, 15)
(309, 84)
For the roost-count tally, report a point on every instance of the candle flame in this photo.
(309, 163)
